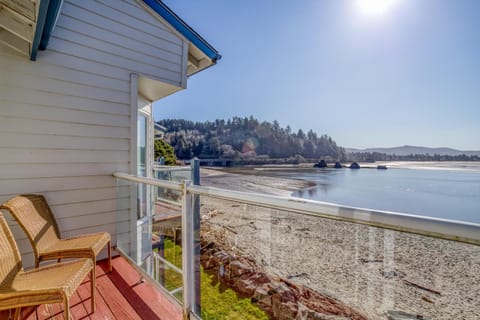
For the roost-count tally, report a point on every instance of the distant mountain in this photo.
(408, 150)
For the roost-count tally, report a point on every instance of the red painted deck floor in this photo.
(119, 295)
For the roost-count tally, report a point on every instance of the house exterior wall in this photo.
(65, 119)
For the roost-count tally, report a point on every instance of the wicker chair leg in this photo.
(92, 288)
(109, 257)
(94, 279)
(16, 315)
(67, 308)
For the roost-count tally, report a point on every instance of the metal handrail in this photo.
(151, 181)
(171, 169)
(460, 231)
(168, 264)
(466, 232)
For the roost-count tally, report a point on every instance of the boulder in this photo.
(338, 165)
(354, 165)
(321, 164)
(238, 268)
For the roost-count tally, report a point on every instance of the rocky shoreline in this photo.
(279, 297)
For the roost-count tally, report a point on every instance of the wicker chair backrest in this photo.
(35, 217)
(10, 260)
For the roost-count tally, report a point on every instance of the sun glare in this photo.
(375, 7)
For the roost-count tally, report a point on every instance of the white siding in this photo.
(65, 123)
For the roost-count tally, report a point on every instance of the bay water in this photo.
(448, 194)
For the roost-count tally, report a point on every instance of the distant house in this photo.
(77, 83)
(159, 131)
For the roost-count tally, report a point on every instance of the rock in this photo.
(354, 165)
(262, 298)
(288, 296)
(238, 268)
(338, 165)
(321, 164)
(285, 311)
(248, 283)
(304, 313)
(244, 287)
(382, 167)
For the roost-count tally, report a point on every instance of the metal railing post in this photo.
(188, 258)
(195, 165)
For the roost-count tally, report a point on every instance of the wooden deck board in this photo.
(119, 296)
(149, 302)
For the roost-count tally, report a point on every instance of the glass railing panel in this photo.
(149, 233)
(173, 174)
(292, 266)
(167, 246)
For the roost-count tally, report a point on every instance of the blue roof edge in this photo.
(181, 26)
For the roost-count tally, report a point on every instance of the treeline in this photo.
(377, 156)
(247, 140)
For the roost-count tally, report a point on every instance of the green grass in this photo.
(172, 279)
(216, 303)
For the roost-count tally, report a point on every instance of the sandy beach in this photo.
(249, 182)
(375, 271)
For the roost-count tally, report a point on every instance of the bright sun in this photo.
(375, 7)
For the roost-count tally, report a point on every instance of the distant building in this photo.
(159, 131)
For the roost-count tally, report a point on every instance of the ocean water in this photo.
(449, 194)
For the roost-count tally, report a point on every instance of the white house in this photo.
(77, 81)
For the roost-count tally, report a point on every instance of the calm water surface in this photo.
(437, 193)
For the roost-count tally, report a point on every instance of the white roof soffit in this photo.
(155, 89)
(26, 25)
(18, 21)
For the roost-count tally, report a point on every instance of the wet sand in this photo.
(375, 271)
(249, 182)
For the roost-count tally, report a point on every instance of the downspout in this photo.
(51, 21)
(47, 18)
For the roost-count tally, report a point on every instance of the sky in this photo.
(405, 75)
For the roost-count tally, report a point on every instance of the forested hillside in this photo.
(247, 139)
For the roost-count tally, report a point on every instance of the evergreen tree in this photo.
(163, 149)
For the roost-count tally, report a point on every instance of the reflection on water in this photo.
(444, 194)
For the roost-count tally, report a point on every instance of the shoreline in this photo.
(463, 166)
(250, 182)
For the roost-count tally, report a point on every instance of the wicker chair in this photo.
(35, 217)
(50, 284)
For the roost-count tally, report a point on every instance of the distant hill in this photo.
(408, 150)
(245, 140)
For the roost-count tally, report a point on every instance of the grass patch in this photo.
(217, 304)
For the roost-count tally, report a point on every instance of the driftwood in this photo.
(422, 287)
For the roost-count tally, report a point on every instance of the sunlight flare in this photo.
(375, 7)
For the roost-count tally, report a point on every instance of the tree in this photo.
(163, 149)
(260, 140)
